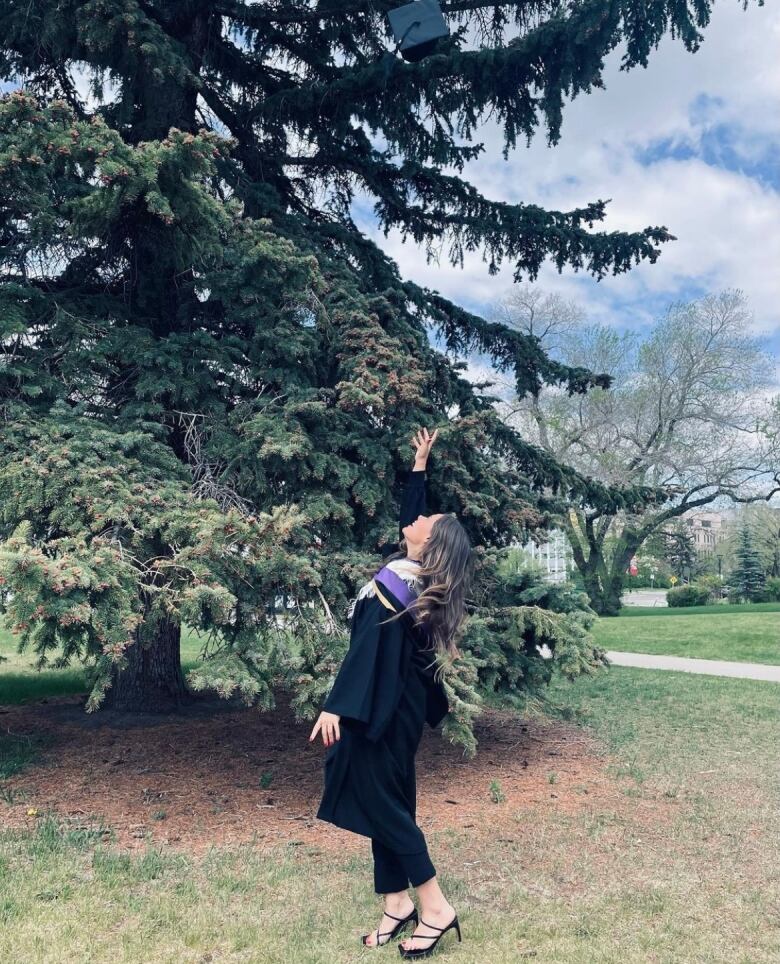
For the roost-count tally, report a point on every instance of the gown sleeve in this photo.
(413, 499)
(413, 503)
(368, 684)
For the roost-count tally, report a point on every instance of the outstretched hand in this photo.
(423, 442)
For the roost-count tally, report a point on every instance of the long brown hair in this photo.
(446, 571)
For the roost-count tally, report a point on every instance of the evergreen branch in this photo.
(565, 54)
(254, 15)
(526, 233)
(465, 332)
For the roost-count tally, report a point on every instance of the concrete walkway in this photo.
(683, 664)
(644, 597)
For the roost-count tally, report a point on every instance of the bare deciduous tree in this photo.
(689, 409)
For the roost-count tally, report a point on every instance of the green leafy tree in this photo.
(679, 549)
(188, 308)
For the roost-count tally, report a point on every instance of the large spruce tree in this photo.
(747, 578)
(208, 375)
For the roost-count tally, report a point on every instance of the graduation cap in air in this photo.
(417, 28)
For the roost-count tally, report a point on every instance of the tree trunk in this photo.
(592, 585)
(605, 600)
(153, 681)
(609, 601)
(603, 585)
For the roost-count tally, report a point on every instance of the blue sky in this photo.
(691, 142)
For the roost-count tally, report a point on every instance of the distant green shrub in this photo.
(692, 595)
(712, 583)
(771, 590)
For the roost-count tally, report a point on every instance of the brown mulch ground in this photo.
(204, 769)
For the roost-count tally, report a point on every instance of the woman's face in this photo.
(417, 532)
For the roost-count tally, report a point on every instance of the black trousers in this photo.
(393, 872)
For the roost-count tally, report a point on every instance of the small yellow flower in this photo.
(32, 811)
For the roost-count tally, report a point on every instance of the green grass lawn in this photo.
(730, 633)
(720, 608)
(20, 681)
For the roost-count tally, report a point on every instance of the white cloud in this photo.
(727, 221)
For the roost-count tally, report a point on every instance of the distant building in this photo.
(708, 529)
(554, 556)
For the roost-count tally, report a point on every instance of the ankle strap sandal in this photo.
(415, 952)
(403, 921)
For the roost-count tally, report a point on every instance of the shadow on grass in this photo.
(29, 686)
(18, 687)
(18, 751)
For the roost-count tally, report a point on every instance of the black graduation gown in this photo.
(384, 692)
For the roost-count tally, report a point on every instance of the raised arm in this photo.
(413, 497)
(413, 494)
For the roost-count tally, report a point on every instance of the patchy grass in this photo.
(679, 862)
(743, 636)
(17, 751)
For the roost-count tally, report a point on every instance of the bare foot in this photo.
(398, 907)
(423, 936)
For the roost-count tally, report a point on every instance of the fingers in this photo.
(423, 438)
(331, 732)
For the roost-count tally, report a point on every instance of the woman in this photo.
(388, 685)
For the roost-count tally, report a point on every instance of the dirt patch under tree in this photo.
(222, 774)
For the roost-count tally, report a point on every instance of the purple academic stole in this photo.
(402, 591)
(399, 587)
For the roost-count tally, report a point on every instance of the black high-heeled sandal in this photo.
(415, 952)
(402, 922)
